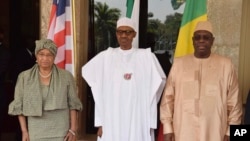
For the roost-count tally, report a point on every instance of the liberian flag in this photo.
(133, 8)
(194, 11)
(60, 31)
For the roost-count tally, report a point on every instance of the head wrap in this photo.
(126, 22)
(204, 25)
(46, 44)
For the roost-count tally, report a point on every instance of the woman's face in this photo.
(45, 59)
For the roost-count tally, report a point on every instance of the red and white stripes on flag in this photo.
(60, 31)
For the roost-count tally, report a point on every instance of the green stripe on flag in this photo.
(130, 4)
(195, 11)
(133, 10)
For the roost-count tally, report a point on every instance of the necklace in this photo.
(45, 76)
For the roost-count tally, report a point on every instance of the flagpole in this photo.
(74, 35)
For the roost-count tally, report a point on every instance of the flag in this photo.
(133, 10)
(194, 11)
(60, 31)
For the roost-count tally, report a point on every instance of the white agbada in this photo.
(126, 108)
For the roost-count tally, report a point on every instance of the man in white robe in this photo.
(201, 98)
(126, 83)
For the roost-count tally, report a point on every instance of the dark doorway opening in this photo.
(20, 21)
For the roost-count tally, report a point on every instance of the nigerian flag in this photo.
(133, 7)
(195, 10)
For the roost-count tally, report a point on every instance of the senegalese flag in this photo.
(133, 8)
(195, 10)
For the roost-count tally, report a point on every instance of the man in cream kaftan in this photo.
(201, 97)
(201, 92)
(126, 86)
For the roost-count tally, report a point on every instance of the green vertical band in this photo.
(130, 4)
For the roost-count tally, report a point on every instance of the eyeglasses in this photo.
(203, 37)
(45, 55)
(127, 32)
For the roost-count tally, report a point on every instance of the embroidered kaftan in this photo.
(201, 99)
(125, 107)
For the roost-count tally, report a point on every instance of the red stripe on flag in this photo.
(68, 27)
(68, 57)
(61, 64)
(52, 14)
(59, 38)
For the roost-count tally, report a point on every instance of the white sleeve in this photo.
(92, 72)
(158, 83)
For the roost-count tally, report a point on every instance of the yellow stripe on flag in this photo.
(185, 45)
(195, 11)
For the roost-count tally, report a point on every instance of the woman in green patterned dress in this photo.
(46, 101)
